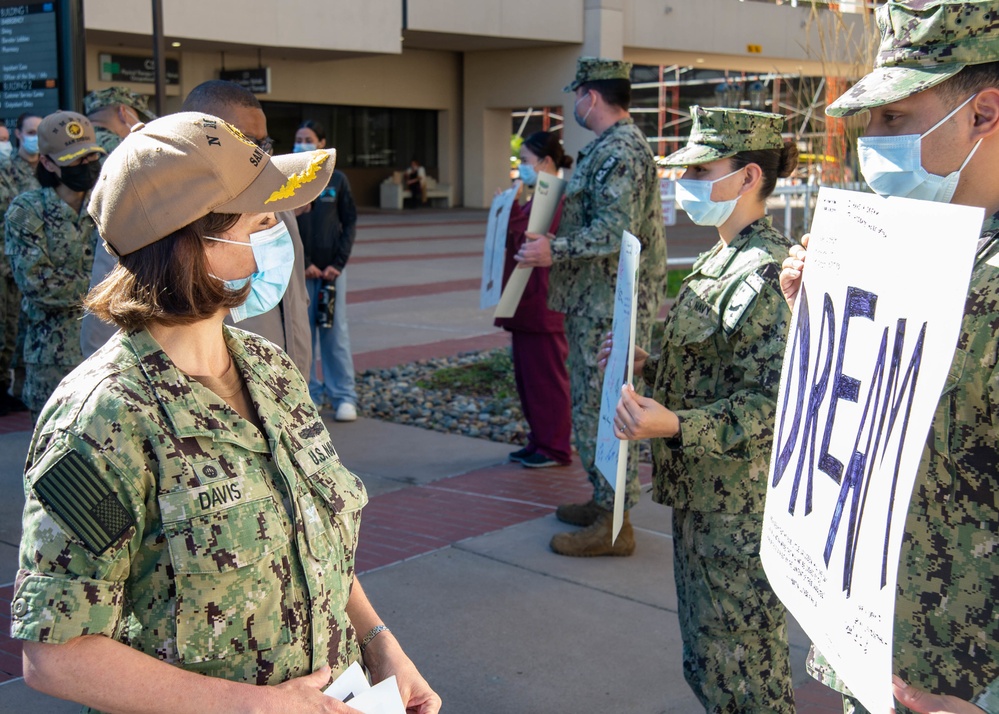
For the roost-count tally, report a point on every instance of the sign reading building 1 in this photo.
(29, 60)
(129, 68)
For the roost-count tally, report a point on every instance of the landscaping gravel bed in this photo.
(395, 395)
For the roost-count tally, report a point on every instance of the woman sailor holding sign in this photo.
(189, 531)
(711, 414)
(537, 333)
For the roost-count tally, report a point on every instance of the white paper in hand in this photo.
(352, 688)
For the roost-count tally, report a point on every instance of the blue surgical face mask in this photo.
(694, 197)
(893, 165)
(30, 144)
(275, 256)
(581, 120)
(6, 149)
(528, 174)
(299, 148)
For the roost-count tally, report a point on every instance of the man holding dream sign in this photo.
(934, 134)
(613, 189)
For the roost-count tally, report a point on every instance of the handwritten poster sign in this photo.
(872, 337)
(547, 195)
(612, 454)
(494, 254)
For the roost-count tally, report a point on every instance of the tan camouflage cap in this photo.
(171, 172)
(923, 42)
(718, 133)
(590, 69)
(113, 96)
(66, 137)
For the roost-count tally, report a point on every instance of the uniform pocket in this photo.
(230, 578)
(691, 333)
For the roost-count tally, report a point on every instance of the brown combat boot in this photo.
(596, 539)
(579, 514)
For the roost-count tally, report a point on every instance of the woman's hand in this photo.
(302, 694)
(313, 273)
(536, 251)
(384, 657)
(639, 417)
(791, 268)
(331, 273)
(605, 350)
(919, 700)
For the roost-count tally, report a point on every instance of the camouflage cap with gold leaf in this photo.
(718, 133)
(923, 42)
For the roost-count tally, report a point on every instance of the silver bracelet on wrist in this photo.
(372, 633)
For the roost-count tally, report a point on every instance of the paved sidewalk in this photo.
(454, 539)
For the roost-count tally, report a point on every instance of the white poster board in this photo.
(667, 196)
(494, 255)
(547, 194)
(872, 337)
(612, 455)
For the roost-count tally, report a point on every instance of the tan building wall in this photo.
(473, 61)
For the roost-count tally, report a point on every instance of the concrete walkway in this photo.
(454, 540)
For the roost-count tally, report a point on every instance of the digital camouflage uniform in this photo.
(107, 139)
(614, 188)
(946, 630)
(51, 251)
(158, 516)
(719, 372)
(16, 177)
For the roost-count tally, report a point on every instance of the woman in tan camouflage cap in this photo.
(710, 417)
(189, 531)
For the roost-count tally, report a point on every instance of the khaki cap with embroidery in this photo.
(172, 171)
(66, 137)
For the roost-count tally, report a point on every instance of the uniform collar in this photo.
(178, 394)
(715, 262)
(605, 133)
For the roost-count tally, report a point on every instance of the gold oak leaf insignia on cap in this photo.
(300, 179)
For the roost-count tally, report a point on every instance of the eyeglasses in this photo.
(266, 145)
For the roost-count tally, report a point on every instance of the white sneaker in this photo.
(346, 412)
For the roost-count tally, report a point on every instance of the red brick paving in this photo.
(417, 256)
(382, 359)
(406, 291)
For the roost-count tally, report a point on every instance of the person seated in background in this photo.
(415, 178)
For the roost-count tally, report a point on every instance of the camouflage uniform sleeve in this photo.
(988, 701)
(615, 192)
(35, 271)
(650, 369)
(739, 426)
(78, 533)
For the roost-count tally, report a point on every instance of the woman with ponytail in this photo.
(711, 415)
(540, 349)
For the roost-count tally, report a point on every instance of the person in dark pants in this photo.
(328, 228)
(540, 349)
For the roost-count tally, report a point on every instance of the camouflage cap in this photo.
(923, 42)
(590, 69)
(112, 97)
(174, 170)
(66, 137)
(718, 133)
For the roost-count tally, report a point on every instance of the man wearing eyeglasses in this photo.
(287, 325)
